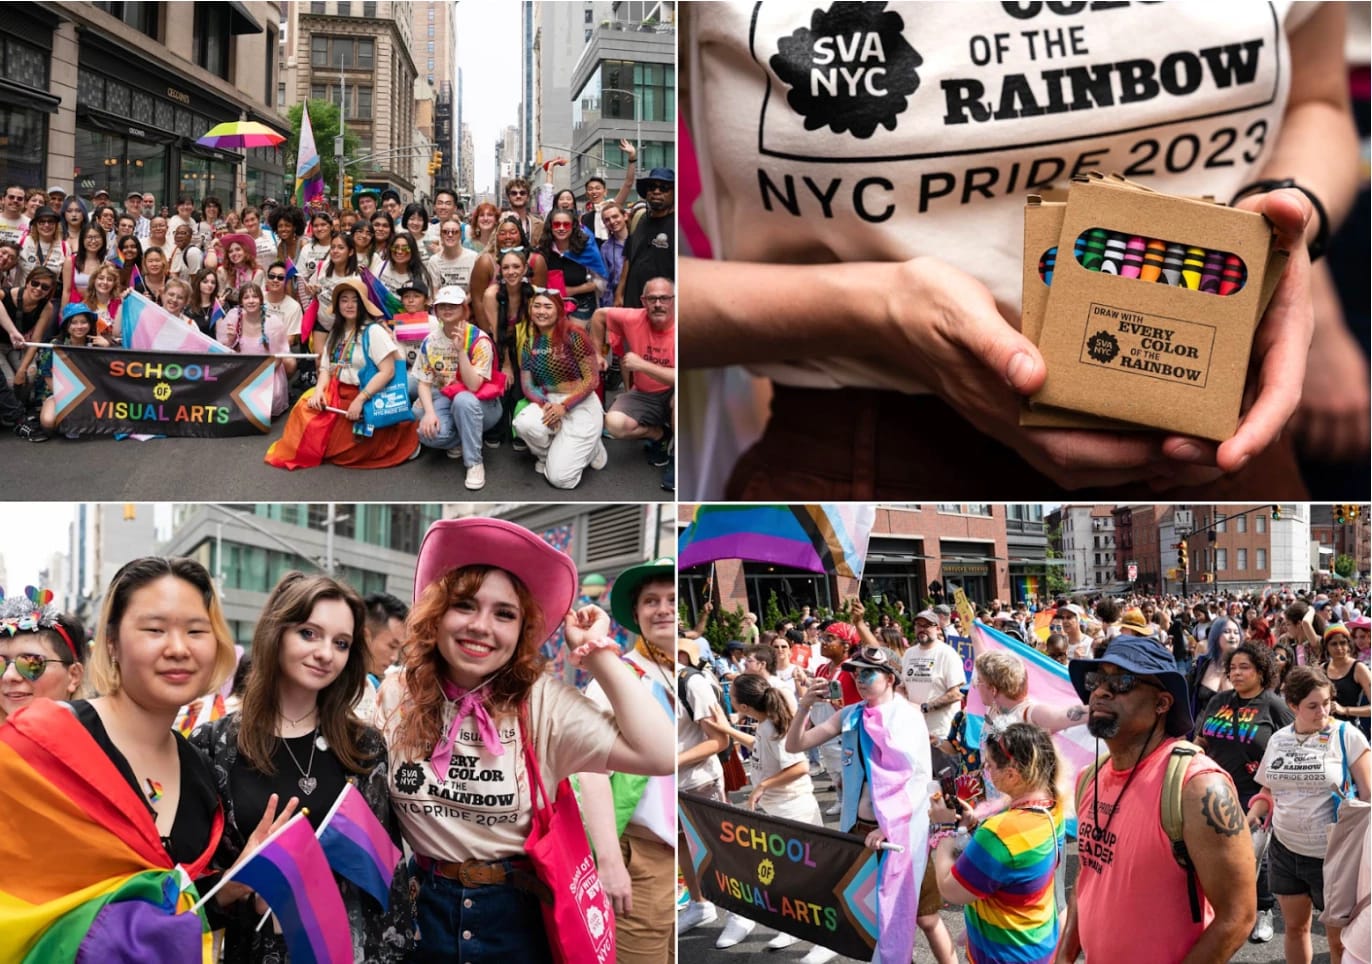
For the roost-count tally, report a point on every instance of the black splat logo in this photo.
(1103, 347)
(851, 70)
(409, 777)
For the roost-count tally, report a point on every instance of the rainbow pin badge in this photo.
(154, 789)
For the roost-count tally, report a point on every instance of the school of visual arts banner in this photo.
(107, 391)
(804, 880)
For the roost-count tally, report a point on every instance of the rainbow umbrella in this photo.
(241, 134)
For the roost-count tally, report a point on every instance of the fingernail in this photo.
(1238, 466)
(1019, 370)
(1188, 452)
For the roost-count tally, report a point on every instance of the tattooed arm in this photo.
(1053, 718)
(1217, 839)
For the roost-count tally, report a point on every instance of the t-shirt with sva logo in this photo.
(882, 132)
(1302, 772)
(482, 807)
(927, 675)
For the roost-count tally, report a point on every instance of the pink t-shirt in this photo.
(629, 330)
(1129, 866)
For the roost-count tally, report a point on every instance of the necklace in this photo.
(1307, 736)
(287, 719)
(306, 782)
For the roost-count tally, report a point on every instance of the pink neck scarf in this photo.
(469, 703)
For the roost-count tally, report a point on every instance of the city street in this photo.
(697, 946)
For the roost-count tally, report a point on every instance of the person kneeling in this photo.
(458, 397)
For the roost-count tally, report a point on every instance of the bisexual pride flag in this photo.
(817, 538)
(357, 846)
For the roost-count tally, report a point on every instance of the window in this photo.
(364, 103)
(430, 66)
(211, 38)
(345, 9)
(1262, 559)
(316, 8)
(366, 52)
(319, 51)
(429, 47)
(369, 9)
(586, 36)
(431, 13)
(1241, 523)
(1221, 560)
(1261, 526)
(586, 15)
(281, 95)
(431, 31)
(142, 17)
(1241, 557)
(1220, 523)
(270, 86)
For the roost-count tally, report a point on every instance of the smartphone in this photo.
(835, 690)
(947, 783)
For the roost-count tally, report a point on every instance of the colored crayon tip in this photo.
(1152, 261)
(1232, 275)
(1113, 258)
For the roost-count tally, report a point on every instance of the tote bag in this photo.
(579, 922)
(391, 405)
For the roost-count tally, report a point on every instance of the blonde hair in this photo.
(102, 674)
(1005, 672)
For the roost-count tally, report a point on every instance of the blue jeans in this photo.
(497, 924)
(461, 420)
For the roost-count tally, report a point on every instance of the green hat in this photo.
(625, 592)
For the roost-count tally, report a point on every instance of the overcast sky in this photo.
(490, 54)
(30, 532)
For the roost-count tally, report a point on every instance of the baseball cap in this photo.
(450, 295)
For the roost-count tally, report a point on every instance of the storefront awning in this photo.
(240, 20)
(17, 95)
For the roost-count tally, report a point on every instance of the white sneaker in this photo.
(835, 809)
(819, 955)
(476, 476)
(734, 931)
(697, 912)
(1262, 930)
(455, 453)
(781, 941)
(601, 456)
(541, 467)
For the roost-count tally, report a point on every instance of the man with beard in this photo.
(932, 674)
(644, 340)
(651, 249)
(636, 858)
(1133, 901)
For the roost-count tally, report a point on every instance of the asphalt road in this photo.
(697, 946)
(232, 470)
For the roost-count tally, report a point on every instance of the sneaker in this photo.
(418, 451)
(697, 912)
(669, 475)
(491, 441)
(835, 809)
(1262, 930)
(734, 931)
(781, 942)
(541, 467)
(476, 476)
(601, 457)
(455, 453)
(31, 432)
(819, 955)
(660, 451)
(520, 445)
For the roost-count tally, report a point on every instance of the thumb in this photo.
(1007, 352)
(1289, 212)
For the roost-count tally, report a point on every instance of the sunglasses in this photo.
(657, 186)
(14, 197)
(276, 277)
(40, 286)
(449, 234)
(29, 665)
(516, 193)
(1119, 684)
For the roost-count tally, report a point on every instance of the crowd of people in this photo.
(444, 716)
(1248, 711)
(532, 309)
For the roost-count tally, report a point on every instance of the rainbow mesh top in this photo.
(546, 369)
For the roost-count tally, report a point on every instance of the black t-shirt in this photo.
(1236, 731)
(573, 273)
(190, 834)
(650, 252)
(25, 321)
(1348, 692)
(251, 788)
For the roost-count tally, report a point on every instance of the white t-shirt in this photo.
(927, 675)
(452, 271)
(288, 310)
(700, 696)
(380, 345)
(13, 230)
(772, 758)
(1302, 773)
(482, 807)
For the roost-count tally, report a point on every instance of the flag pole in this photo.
(229, 874)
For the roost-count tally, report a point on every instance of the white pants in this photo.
(567, 451)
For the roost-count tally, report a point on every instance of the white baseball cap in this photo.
(450, 295)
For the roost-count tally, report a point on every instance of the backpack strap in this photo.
(1173, 784)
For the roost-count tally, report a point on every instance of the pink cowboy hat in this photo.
(549, 575)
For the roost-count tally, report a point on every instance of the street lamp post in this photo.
(638, 114)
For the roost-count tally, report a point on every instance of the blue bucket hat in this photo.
(77, 308)
(664, 174)
(1144, 656)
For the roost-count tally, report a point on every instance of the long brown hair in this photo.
(421, 722)
(289, 605)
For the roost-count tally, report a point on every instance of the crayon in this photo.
(1114, 253)
(1152, 261)
(1093, 250)
(1210, 275)
(1191, 268)
(1046, 263)
(1133, 258)
(1171, 265)
(1233, 275)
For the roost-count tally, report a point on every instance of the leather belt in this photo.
(516, 872)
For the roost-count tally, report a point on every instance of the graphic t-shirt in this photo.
(1009, 865)
(1236, 732)
(649, 253)
(928, 674)
(482, 808)
(12, 229)
(629, 330)
(1303, 771)
(452, 271)
(437, 362)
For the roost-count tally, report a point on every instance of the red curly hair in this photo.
(421, 723)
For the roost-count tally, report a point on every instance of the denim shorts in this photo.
(496, 924)
(1293, 874)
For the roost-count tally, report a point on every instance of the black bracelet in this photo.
(1316, 247)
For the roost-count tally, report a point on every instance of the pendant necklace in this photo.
(306, 782)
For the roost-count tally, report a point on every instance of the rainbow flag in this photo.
(290, 872)
(149, 327)
(358, 847)
(96, 862)
(817, 538)
(309, 177)
(381, 296)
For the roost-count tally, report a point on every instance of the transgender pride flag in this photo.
(358, 847)
(150, 327)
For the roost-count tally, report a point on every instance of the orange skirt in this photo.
(312, 438)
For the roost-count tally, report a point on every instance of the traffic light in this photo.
(1276, 513)
(1340, 514)
(1181, 556)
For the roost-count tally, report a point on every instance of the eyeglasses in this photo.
(276, 277)
(28, 665)
(658, 299)
(1119, 684)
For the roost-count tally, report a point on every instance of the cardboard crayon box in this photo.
(1146, 314)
